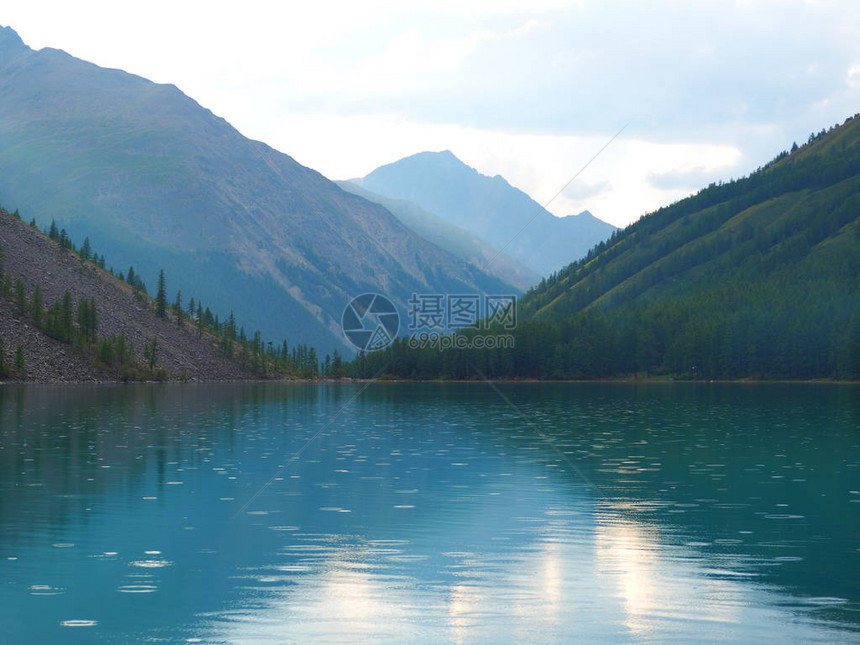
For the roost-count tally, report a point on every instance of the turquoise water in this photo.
(430, 513)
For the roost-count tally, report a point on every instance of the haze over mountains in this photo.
(455, 239)
(157, 181)
(490, 208)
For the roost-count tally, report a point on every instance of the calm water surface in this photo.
(430, 513)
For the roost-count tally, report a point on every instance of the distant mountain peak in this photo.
(490, 207)
(10, 40)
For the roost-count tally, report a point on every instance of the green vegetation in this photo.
(755, 278)
(17, 367)
(161, 296)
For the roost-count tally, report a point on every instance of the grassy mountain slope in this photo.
(153, 178)
(453, 239)
(490, 208)
(796, 215)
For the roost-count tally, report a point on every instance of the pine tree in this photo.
(180, 315)
(86, 251)
(66, 317)
(4, 365)
(199, 320)
(231, 327)
(150, 353)
(53, 233)
(20, 365)
(37, 306)
(161, 296)
(336, 365)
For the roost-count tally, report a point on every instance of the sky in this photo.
(704, 91)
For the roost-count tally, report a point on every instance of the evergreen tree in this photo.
(150, 353)
(199, 320)
(180, 315)
(336, 365)
(37, 306)
(66, 317)
(161, 296)
(4, 365)
(20, 365)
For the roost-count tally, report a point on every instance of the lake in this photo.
(449, 513)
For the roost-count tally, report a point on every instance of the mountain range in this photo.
(159, 182)
(757, 277)
(501, 215)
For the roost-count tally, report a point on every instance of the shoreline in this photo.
(390, 381)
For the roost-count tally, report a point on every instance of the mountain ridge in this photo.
(502, 215)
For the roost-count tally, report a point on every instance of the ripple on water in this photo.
(79, 623)
(783, 516)
(150, 564)
(137, 588)
(45, 590)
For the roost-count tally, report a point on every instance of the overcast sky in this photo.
(527, 89)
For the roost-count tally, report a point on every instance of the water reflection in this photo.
(428, 513)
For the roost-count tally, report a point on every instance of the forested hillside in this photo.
(64, 317)
(757, 277)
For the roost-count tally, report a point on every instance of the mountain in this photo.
(33, 263)
(490, 208)
(156, 180)
(453, 239)
(758, 277)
